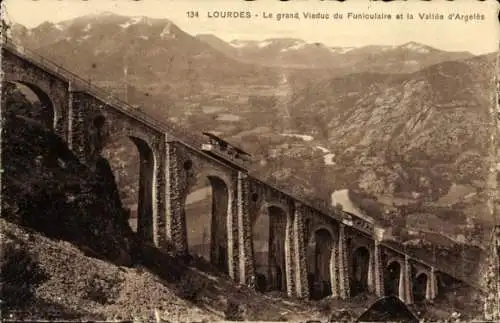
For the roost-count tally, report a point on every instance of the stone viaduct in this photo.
(312, 250)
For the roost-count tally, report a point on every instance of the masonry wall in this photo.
(492, 280)
(246, 265)
(356, 241)
(94, 125)
(299, 251)
(185, 167)
(378, 268)
(17, 69)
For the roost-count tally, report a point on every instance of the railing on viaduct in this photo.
(194, 141)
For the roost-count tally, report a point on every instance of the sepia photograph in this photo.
(265, 161)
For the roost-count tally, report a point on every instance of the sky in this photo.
(475, 36)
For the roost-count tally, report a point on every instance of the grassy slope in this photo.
(83, 287)
(89, 288)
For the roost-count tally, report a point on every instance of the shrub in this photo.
(20, 274)
(234, 311)
(103, 290)
(191, 287)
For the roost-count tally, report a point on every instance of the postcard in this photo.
(231, 160)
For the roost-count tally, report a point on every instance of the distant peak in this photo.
(101, 14)
(108, 13)
(412, 45)
(206, 36)
(285, 39)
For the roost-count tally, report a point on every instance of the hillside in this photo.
(54, 280)
(70, 285)
(413, 123)
(43, 183)
(68, 252)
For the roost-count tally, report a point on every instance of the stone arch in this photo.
(265, 205)
(420, 287)
(320, 245)
(31, 101)
(133, 160)
(16, 68)
(206, 208)
(359, 270)
(201, 173)
(393, 278)
(324, 227)
(268, 240)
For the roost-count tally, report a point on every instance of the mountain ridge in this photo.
(332, 56)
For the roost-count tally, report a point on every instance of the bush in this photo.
(341, 316)
(191, 287)
(20, 274)
(234, 311)
(103, 290)
(325, 307)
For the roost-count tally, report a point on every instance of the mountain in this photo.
(156, 51)
(218, 44)
(153, 50)
(297, 53)
(423, 137)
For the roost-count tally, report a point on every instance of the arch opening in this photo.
(131, 164)
(319, 252)
(420, 288)
(360, 267)
(206, 209)
(29, 101)
(392, 279)
(268, 239)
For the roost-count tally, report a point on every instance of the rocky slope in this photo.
(46, 278)
(46, 188)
